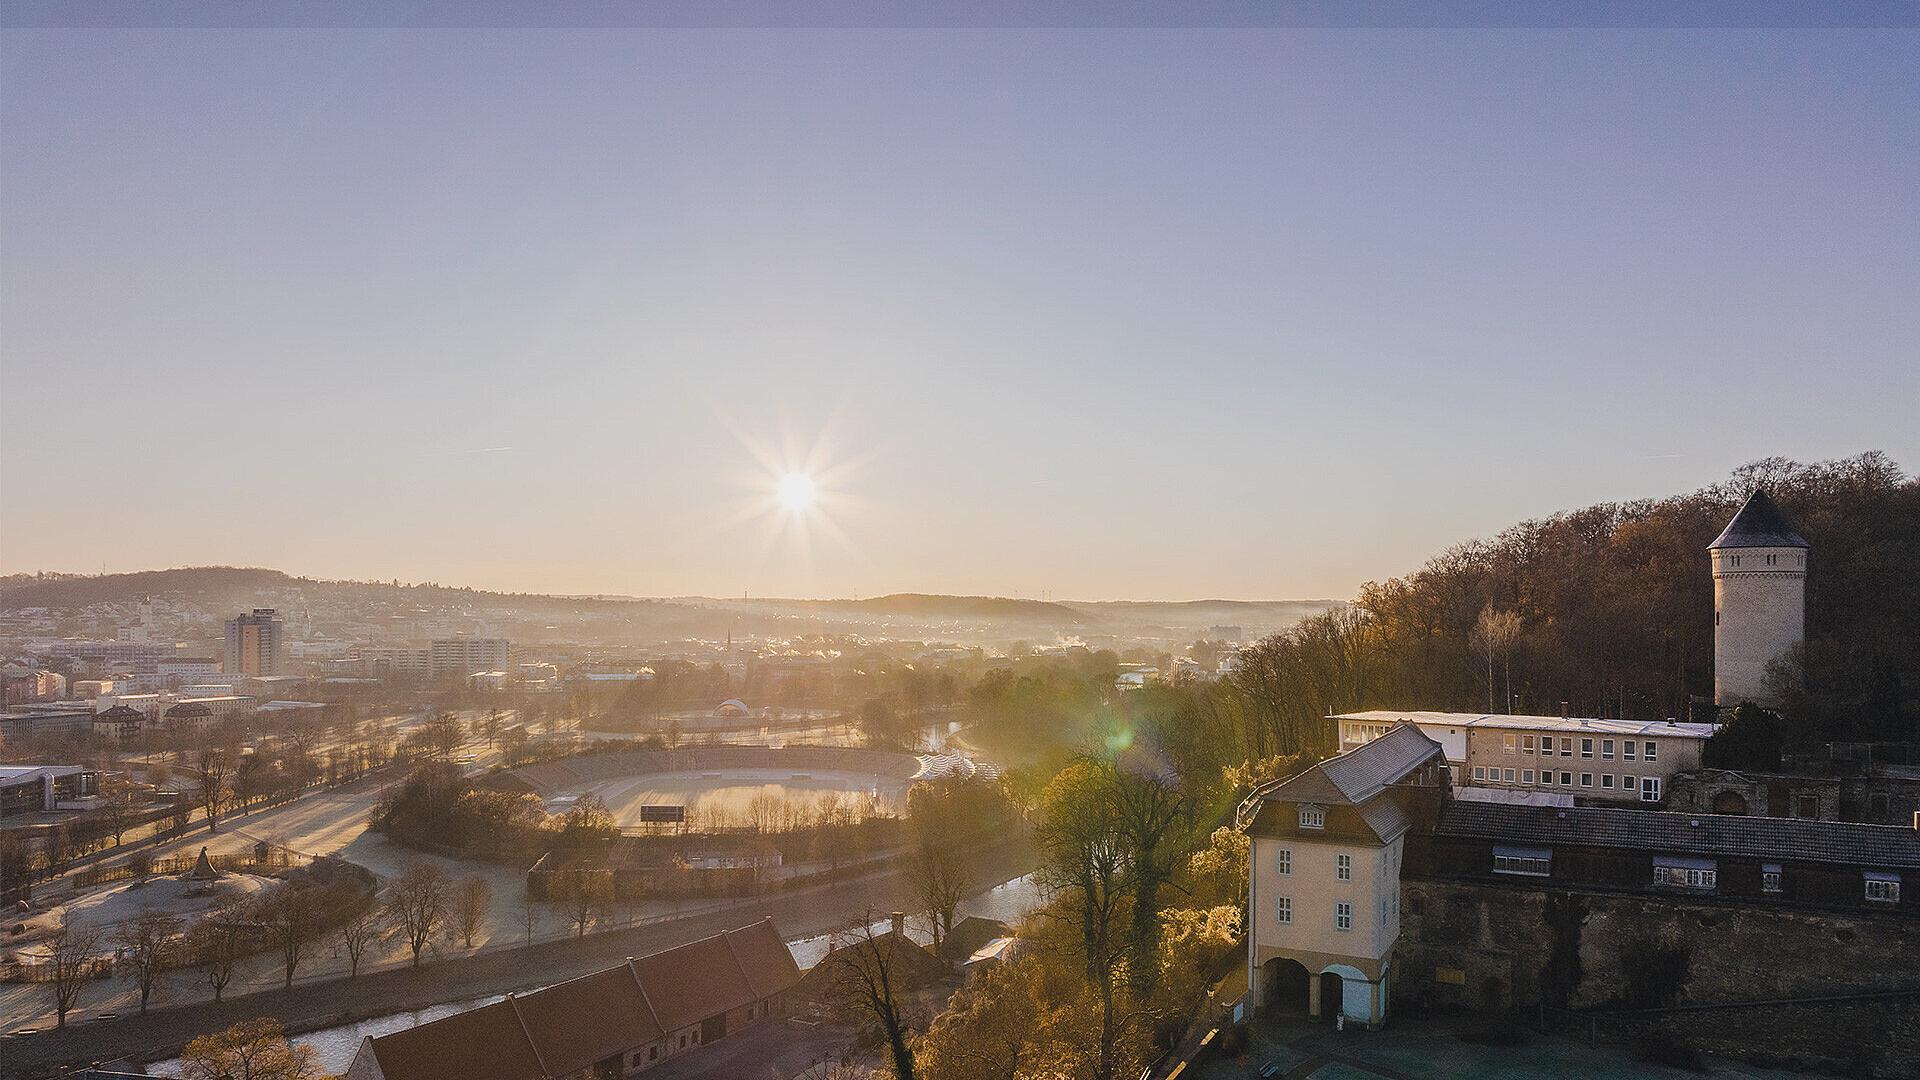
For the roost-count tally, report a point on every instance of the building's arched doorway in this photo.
(1333, 995)
(1286, 987)
(1729, 802)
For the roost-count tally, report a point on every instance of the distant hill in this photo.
(77, 590)
(900, 615)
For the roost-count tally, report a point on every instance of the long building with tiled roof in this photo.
(612, 1023)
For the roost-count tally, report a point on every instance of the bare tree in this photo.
(940, 881)
(529, 914)
(360, 930)
(470, 906)
(217, 943)
(871, 974)
(293, 916)
(214, 770)
(151, 945)
(418, 903)
(1494, 635)
(117, 813)
(73, 951)
(586, 898)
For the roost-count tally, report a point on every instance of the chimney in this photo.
(1565, 710)
(900, 922)
(1672, 722)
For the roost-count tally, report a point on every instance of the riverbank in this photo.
(162, 1033)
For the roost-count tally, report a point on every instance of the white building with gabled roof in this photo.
(1324, 855)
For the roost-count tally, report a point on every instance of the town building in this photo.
(610, 1024)
(119, 723)
(1325, 849)
(1759, 600)
(464, 655)
(45, 721)
(256, 644)
(1590, 758)
(34, 789)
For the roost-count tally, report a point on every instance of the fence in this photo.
(40, 971)
(253, 862)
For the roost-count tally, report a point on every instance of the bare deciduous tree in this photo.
(217, 943)
(941, 879)
(585, 899)
(73, 952)
(213, 768)
(1494, 635)
(418, 903)
(870, 977)
(470, 906)
(151, 945)
(359, 931)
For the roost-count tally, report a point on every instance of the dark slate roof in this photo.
(1759, 524)
(121, 712)
(1361, 773)
(1795, 839)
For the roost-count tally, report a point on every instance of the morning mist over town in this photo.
(949, 541)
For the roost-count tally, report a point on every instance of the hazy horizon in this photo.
(1155, 315)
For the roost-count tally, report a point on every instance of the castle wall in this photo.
(1496, 947)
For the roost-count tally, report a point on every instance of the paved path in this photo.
(163, 1032)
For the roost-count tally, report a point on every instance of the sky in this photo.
(1089, 314)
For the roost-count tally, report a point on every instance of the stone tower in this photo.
(1759, 599)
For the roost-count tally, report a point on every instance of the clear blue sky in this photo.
(1154, 314)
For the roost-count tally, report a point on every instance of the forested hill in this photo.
(1610, 608)
(80, 590)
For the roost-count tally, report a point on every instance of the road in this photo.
(163, 1032)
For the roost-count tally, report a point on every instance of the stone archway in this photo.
(1287, 987)
(1729, 802)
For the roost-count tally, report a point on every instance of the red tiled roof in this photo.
(570, 1026)
(487, 1041)
(588, 1019)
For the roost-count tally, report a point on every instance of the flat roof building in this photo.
(1591, 758)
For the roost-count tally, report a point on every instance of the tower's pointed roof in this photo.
(1759, 524)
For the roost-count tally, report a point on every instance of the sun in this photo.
(797, 492)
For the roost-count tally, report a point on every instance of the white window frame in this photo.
(1479, 772)
(1283, 909)
(1526, 744)
(1313, 817)
(1704, 879)
(1606, 749)
(1586, 779)
(1772, 878)
(1566, 779)
(1649, 789)
(1507, 743)
(1526, 776)
(1882, 889)
(1650, 752)
(1566, 746)
(1606, 781)
(1626, 750)
(1586, 748)
(1283, 862)
(1343, 867)
(1343, 916)
(1522, 863)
